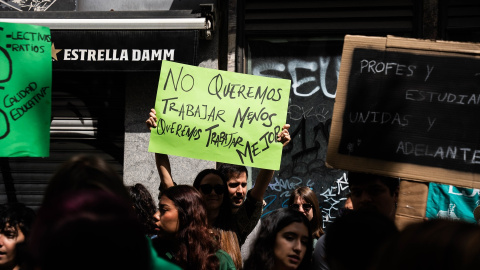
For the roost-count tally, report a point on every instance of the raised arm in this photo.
(161, 160)
(265, 176)
(164, 170)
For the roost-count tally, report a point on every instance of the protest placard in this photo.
(408, 108)
(25, 90)
(219, 115)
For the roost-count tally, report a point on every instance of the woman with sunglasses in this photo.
(304, 200)
(212, 185)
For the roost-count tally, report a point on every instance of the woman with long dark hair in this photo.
(284, 242)
(304, 200)
(212, 185)
(144, 206)
(185, 237)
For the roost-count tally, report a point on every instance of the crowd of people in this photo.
(89, 219)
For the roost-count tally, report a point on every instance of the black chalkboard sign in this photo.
(410, 106)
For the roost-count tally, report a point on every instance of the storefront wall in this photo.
(122, 137)
(100, 110)
(302, 41)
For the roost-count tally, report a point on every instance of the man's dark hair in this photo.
(19, 217)
(358, 177)
(232, 170)
(17, 214)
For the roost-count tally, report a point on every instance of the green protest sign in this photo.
(25, 90)
(219, 115)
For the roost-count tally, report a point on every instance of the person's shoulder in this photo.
(222, 254)
(320, 243)
(158, 262)
(226, 262)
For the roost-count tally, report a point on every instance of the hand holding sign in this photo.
(220, 116)
(284, 135)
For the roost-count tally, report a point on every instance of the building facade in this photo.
(101, 109)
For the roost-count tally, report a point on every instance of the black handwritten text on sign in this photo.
(417, 109)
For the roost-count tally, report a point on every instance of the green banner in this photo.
(219, 115)
(447, 201)
(25, 90)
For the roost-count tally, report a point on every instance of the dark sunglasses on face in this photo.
(306, 206)
(207, 189)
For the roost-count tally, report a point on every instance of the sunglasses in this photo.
(207, 189)
(306, 206)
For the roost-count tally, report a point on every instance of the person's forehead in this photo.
(10, 227)
(164, 200)
(7, 228)
(297, 228)
(212, 179)
(238, 178)
(299, 199)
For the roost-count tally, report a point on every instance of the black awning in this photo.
(118, 40)
(122, 50)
